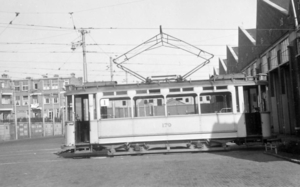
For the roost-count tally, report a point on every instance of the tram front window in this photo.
(216, 102)
(115, 108)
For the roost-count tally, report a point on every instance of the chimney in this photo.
(56, 76)
(4, 75)
(45, 76)
(73, 75)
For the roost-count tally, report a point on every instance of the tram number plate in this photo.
(165, 125)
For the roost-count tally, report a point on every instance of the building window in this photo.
(55, 100)
(6, 99)
(264, 64)
(187, 100)
(25, 86)
(269, 63)
(201, 99)
(46, 85)
(284, 51)
(1, 84)
(207, 98)
(159, 102)
(35, 85)
(47, 100)
(25, 100)
(66, 82)
(124, 103)
(18, 100)
(50, 114)
(57, 113)
(35, 100)
(273, 58)
(54, 84)
(279, 56)
(17, 86)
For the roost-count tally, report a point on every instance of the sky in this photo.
(39, 39)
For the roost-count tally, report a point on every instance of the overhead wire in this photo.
(97, 45)
(101, 7)
(17, 14)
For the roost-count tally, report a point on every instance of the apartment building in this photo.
(6, 98)
(40, 99)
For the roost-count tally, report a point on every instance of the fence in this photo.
(25, 131)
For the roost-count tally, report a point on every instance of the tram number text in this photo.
(165, 125)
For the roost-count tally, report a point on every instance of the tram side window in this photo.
(182, 104)
(216, 103)
(145, 106)
(115, 108)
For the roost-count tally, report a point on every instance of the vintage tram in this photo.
(165, 116)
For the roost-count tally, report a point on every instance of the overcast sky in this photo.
(38, 40)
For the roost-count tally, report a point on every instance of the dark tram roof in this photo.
(215, 80)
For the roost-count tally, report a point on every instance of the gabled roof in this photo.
(248, 35)
(252, 33)
(281, 5)
(222, 66)
(236, 50)
(234, 54)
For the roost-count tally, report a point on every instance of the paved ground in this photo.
(31, 163)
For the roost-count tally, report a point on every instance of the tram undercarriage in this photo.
(140, 148)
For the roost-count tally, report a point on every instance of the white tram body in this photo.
(135, 118)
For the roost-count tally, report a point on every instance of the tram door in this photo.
(82, 124)
(252, 113)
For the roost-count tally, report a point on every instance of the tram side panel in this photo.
(171, 128)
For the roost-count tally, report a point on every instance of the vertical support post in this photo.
(15, 108)
(165, 104)
(43, 116)
(111, 70)
(85, 79)
(199, 104)
(241, 99)
(131, 107)
(53, 118)
(91, 107)
(73, 108)
(98, 106)
(29, 108)
(234, 110)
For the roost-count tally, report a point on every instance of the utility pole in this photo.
(85, 78)
(111, 71)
